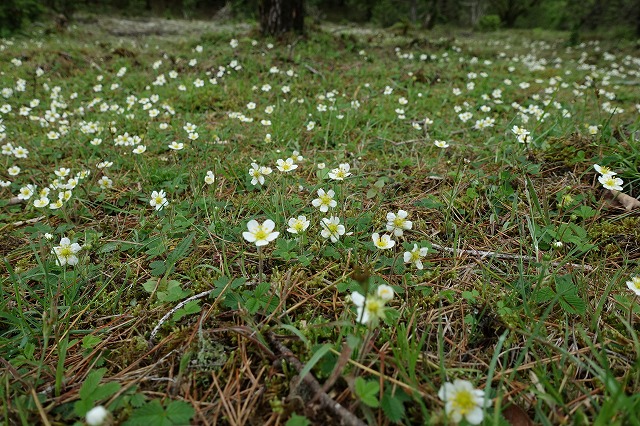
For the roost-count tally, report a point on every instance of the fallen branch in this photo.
(483, 254)
(326, 402)
(173, 311)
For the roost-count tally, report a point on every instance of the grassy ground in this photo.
(171, 316)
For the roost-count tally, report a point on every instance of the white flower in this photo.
(258, 173)
(158, 199)
(325, 200)
(462, 400)
(260, 234)
(298, 225)
(398, 222)
(41, 202)
(341, 172)
(66, 252)
(441, 144)
(26, 192)
(13, 171)
(368, 309)
(286, 165)
(176, 146)
(382, 242)
(48, 236)
(139, 149)
(209, 178)
(610, 182)
(415, 256)
(97, 416)
(604, 170)
(385, 292)
(105, 183)
(332, 229)
(634, 285)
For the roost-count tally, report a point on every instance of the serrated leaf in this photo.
(544, 295)
(572, 303)
(392, 407)
(367, 391)
(91, 383)
(105, 391)
(180, 250)
(192, 307)
(179, 412)
(151, 413)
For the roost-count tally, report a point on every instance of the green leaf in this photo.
(180, 250)
(392, 407)
(192, 307)
(180, 412)
(322, 351)
(153, 413)
(544, 295)
(91, 383)
(172, 293)
(568, 296)
(296, 420)
(367, 391)
(150, 286)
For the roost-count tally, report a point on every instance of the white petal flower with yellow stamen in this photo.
(462, 400)
(382, 242)
(332, 229)
(415, 256)
(298, 225)
(398, 223)
(634, 285)
(325, 200)
(260, 234)
(66, 252)
(158, 199)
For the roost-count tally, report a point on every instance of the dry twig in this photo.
(346, 416)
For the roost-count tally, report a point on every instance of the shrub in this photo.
(489, 23)
(14, 14)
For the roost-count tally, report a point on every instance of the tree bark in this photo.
(281, 16)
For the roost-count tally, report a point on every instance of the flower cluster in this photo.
(607, 178)
(370, 308)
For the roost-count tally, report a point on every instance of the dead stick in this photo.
(347, 417)
(497, 255)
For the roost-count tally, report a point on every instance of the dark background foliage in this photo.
(619, 18)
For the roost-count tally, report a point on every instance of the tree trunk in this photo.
(281, 16)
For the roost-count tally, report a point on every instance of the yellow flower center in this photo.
(66, 251)
(333, 228)
(398, 221)
(261, 234)
(415, 255)
(381, 243)
(325, 199)
(463, 402)
(159, 200)
(375, 306)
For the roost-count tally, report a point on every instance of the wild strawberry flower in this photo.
(258, 173)
(441, 144)
(634, 284)
(415, 256)
(209, 178)
(398, 223)
(286, 165)
(382, 242)
(158, 199)
(41, 202)
(298, 225)
(260, 234)
(610, 182)
(604, 170)
(385, 292)
(66, 252)
(462, 400)
(331, 228)
(340, 172)
(97, 416)
(325, 200)
(26, 192)
(371, 308)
